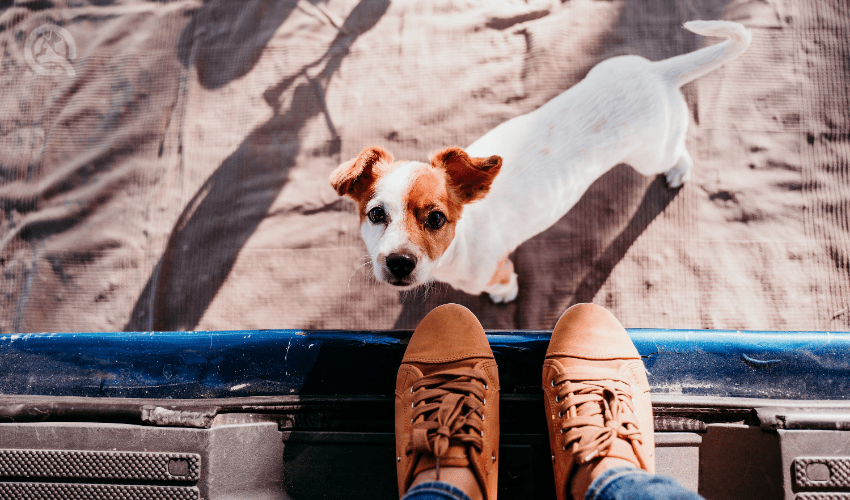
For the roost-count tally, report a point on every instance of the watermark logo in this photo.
(50, 50)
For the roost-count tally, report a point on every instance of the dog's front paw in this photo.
(681, 173)
(504, 293)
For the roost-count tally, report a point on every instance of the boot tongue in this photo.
(450, 328)
(456, 456)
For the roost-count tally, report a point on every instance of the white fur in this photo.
(627, 110)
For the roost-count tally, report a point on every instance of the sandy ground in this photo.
(176, 178)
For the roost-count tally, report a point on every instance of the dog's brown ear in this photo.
(354, 177)
(470, 178)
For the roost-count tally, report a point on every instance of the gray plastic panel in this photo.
(52, 491)
(236, 461)
(835, 469)
(126, 466)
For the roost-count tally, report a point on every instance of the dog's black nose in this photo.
(401, 264)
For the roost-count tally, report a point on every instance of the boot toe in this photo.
(590, 331)
(448, 333)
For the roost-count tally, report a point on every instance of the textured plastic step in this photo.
(52, 491)
(822, 472)
(823, 496)
(122, 466)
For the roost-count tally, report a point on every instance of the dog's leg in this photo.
(680, 173)
(503, 286)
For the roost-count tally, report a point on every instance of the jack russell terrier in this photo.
(457, 218)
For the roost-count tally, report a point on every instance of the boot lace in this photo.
(448, 409)
(603, 405)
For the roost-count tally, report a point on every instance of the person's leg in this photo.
(447, 410)
(629, 483)
(435, 490)
(599, 412)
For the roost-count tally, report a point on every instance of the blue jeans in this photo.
(434, 490)
(614, 484)
(621, 483)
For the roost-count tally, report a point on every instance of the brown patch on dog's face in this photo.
(356, 178)
(431, 211)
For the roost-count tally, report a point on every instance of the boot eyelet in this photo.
(398, 459)
(412, 405)
(560, 414)
(563, 431)
(553, 382)
(494, 458)
(485, 387)
(485, 402)
(565, 448)
(411, 390)
(557, 399)
(482, 433)
(482, 418)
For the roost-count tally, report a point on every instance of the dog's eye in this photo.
(377, 215)
(435, 220)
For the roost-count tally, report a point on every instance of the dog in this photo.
(457, 218)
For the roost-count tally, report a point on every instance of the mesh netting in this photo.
(164, 165)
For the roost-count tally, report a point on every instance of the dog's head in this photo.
(409, 210)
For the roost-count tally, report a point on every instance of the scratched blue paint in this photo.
(190, 365)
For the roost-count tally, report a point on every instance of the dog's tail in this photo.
(686, 67)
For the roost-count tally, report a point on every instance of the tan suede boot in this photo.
(447, 401)
(596, 397)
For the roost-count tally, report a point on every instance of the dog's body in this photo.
(524, 175)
